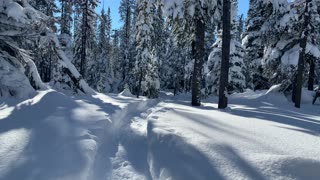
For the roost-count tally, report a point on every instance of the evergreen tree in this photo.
(146, 63)
(259, 12)
(66, 17)
(283, 43)
(17, 65)
(126, 10)
(199, 12)
(85, 36)
(237, 68)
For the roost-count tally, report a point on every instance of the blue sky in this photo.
(114, 6)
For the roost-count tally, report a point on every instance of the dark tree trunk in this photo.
(83, 53)
(303, 45)
(226, 39)
(140, 81)
(198, 56)
(311, 75)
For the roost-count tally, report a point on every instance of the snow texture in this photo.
(260, 136)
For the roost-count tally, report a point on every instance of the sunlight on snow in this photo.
(12, 145)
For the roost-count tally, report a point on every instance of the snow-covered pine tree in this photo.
(181, 33)
(159, 36)
(103, 53)
(240, 28)
(126, 11)
(20, 23)
(147, 71)
(259, 12)
(200, 12)
(84, 37)
(114, 62)
(49, 8)
(283, 41)
(237, 67)
(65, 20)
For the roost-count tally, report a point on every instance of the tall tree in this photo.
(66, 17)
(200, 12)
(86, 29)
(226, 38)
(126, 11)
(258, 14)
(303, 44)
(146, 64)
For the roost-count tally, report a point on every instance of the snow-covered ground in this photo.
(58, 136)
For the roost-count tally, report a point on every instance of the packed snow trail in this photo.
(58, 136)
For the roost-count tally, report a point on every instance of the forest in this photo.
(182, 89)
(160, 46)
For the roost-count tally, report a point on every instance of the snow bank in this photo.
(51, 136)
(13, 82)
(126, 92)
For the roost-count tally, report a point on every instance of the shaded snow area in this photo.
(114, 137)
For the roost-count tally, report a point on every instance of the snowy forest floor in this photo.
(57, 136)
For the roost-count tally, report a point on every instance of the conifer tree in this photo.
(146, 63)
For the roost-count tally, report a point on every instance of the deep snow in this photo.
(57, 136)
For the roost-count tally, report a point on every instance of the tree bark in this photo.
(226, 39)
(311, 75)
(303, 45)
(83, 53)
(140, 81)
(198, 56)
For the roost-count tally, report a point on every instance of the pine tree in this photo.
(283, 43)
(126, 16)
(199, 12)
(103, 51)
(159, 34)
(17, 63)
(146, 63)
(85, 35)
(259, 12)
(66, 17)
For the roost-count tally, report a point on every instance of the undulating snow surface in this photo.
(57, 136)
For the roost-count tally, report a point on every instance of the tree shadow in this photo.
(58, 146)
(278, 115)
(171, 157)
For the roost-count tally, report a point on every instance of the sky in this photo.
(114, 6)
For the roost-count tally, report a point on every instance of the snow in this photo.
(13, 82)
(259, 139)
(126, 92)
(57, 136)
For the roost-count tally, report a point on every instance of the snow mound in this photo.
(288, 167)
(13, 82)
(127, 93)
(307, 96)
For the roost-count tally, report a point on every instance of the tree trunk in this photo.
(198, 56)
(311, 75)
(226, 39)
(140, 81)
(303, 45)
(83, 53)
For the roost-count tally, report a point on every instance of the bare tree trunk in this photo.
(303, 45)
(83, 52)
(311, 75)
(226, 39)
(140, 81)
(198, 56)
